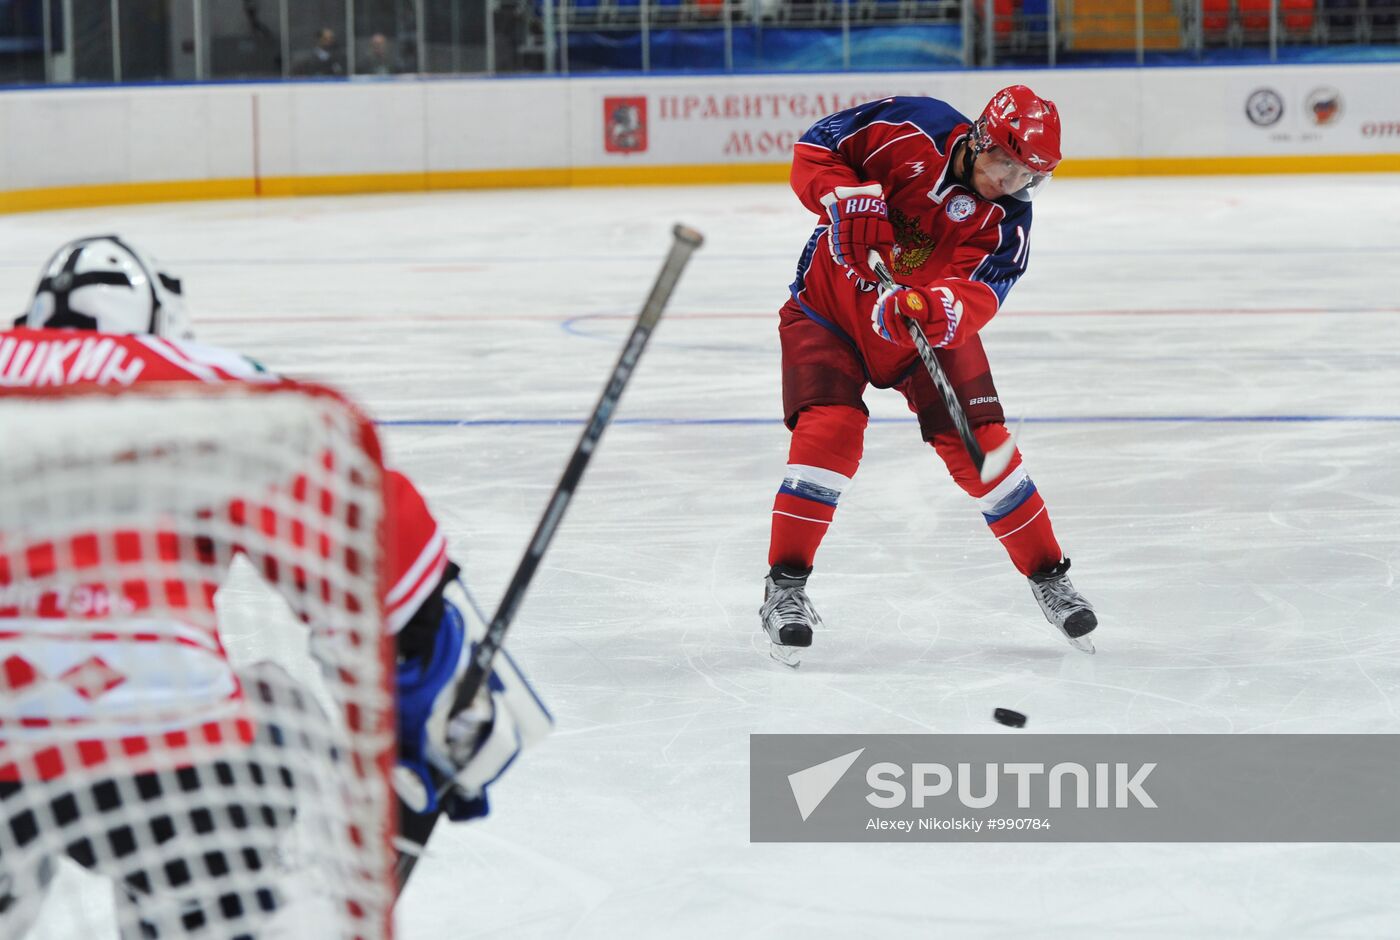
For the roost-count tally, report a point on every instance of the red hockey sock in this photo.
(823, 455)
(1013, 508)
(1026, 534)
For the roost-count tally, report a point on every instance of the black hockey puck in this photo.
(1007, 716)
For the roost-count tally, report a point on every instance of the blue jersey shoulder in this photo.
(934, 117)
(1018, 211)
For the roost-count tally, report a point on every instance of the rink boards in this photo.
(94, 146)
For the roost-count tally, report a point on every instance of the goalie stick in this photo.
(415, 828)
(989, 465)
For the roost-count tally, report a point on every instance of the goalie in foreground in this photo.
(184, 804)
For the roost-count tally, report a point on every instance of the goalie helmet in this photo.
(103, 283)
(1024, 126)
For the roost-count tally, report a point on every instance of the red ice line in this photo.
(555, 318)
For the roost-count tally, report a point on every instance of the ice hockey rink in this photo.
(1208, 375)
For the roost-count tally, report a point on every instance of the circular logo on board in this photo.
(1264, 107)
(1323, 106)
(960, 207)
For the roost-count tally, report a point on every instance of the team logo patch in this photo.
(915, 301)
(960, 207)
(1324, 106)
(625, 125)
(913, 245)
(1264, 107)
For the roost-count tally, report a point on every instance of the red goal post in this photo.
(220, 794)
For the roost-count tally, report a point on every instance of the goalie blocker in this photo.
(127, 742)
(473, 746)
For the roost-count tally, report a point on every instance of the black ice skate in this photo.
(787, 615)
(1065, 607)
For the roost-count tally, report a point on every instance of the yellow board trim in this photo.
(69, 197)
(109, 194)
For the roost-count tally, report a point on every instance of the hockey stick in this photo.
(415, 828)
(989, 465)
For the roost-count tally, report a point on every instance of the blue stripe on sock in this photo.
(806, 489)
(1011, 501)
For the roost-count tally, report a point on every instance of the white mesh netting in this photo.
(201, 798)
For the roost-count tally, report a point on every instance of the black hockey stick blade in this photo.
(415, 828)
(989, 465)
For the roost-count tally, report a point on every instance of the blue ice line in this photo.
(718, 422)
(749, 257)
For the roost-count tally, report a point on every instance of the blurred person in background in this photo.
(380, 59)
(324, 58)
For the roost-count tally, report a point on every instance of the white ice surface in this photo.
(1209, 373)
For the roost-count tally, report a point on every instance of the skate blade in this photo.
(1082, 643)
(790, 656)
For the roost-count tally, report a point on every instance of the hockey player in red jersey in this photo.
(946, 204)
(105, 315)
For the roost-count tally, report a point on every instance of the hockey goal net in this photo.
(208, 790)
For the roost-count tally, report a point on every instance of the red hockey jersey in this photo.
(203, 705)
(946, 234)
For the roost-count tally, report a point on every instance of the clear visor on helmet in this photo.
(1013, 176)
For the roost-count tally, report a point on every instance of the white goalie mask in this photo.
(103, 283)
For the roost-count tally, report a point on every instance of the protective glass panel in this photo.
(21, 42)
(386, 37)
(317, 29)
(93, 58)
(456, 36)
(244, 38)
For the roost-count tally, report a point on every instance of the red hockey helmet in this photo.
(1026, 127)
